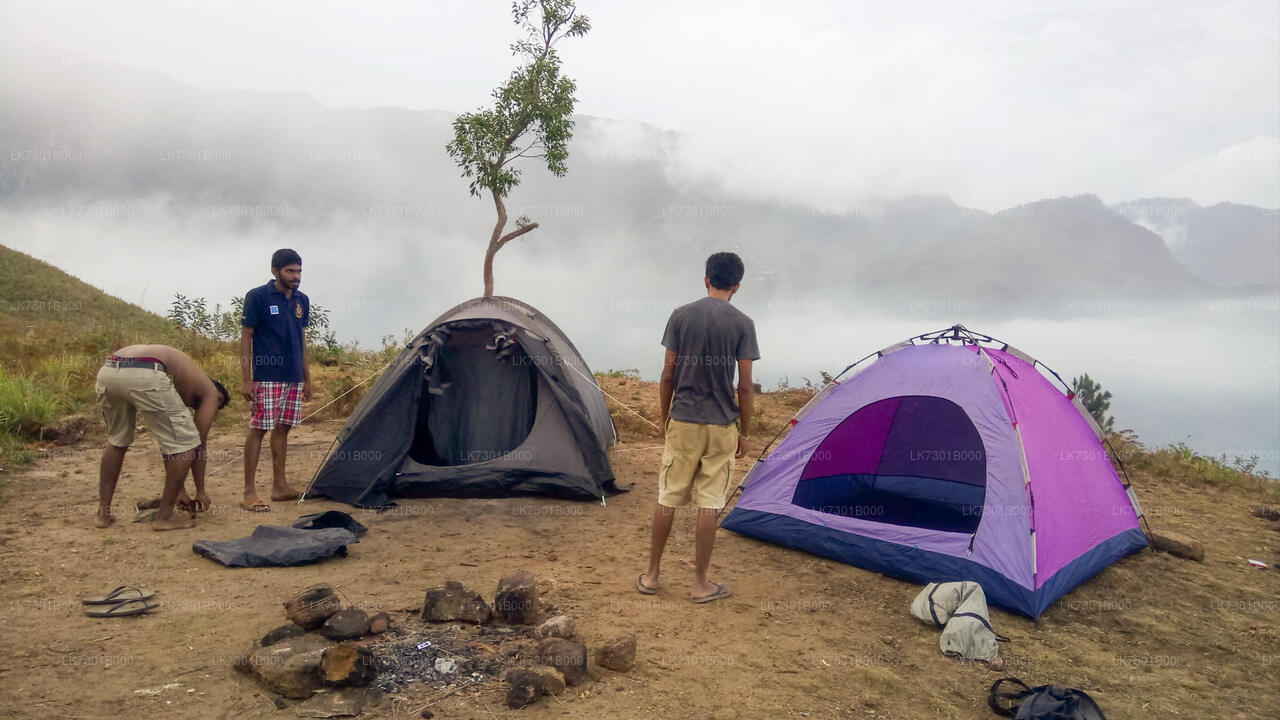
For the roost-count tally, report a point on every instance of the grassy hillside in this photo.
(55, 330)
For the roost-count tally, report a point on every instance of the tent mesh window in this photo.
(482, 404)
(912, 460)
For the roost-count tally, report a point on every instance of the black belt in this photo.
(123, 362)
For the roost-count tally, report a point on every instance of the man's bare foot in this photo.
(253, 504)
(280, 494)
(177, 521)
(103, 518)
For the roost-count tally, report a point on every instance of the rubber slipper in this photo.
(644, 589)
(124, 593)
(722, 591)
(257, 507)
(123, 609)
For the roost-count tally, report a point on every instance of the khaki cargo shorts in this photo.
(125, 393)
(697, 462)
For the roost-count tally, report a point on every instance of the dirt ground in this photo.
(1152, 637)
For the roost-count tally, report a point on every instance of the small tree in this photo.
(1096, 400)
(529, 118)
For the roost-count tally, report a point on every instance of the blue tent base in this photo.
(922, 566)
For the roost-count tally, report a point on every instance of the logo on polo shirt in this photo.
(275, 309)
(297, 310)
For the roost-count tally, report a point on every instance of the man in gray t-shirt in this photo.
(706, 417)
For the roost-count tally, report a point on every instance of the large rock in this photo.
(619, 654)
(526, 687)
(348, 665)
(311, 607)
(291, 667)
(560, 626)
(1180, 545)
(452, 601)
(349, 624)
(344, 702)
(567, 656)
(516, 601)
(284, 632)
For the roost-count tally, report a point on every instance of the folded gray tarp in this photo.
(274, 546)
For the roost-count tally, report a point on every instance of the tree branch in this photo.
(516, 233)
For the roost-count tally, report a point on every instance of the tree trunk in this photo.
(494, 243)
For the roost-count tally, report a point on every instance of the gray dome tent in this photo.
(490, 400)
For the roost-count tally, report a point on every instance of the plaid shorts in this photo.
(276, 402)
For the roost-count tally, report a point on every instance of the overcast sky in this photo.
(993, 103)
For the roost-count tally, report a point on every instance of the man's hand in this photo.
(306, 390)
(246, 390)
(742, 447)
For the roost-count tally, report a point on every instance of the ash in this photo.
(456, 654)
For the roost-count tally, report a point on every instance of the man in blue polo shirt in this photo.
(274, 370)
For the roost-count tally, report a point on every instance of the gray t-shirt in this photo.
(709, 336)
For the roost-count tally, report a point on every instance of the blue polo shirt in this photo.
(277, 323)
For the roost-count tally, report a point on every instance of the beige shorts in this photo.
(697, 462)
(125, 393)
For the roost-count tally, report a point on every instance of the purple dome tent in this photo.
(948, 458)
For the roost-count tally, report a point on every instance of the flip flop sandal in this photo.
(260, 507)
(123, 609)
(124, 593)
(722, 591)
(644, 589)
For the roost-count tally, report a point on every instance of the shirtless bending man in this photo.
(159, 383)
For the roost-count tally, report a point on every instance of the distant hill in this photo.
(1226, 244)
(78, 136)
(48, 313)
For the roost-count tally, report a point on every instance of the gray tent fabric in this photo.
(490, 400)
(959, 609)
(275, 546)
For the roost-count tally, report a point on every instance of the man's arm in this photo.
(746, 399)
(667, 386)
(306, 373)
(246, 363)
(205, 414)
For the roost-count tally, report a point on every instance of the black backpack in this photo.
(1046, 702)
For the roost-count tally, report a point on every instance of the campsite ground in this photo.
(1152, 637)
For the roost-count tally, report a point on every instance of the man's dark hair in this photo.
(284, 257)
(725, 270)
(226, 397)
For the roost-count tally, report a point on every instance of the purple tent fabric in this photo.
(920, 434)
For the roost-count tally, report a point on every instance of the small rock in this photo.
(1179, 545)
(526, 687)
(349, 624)
(148, 504)
(428, 714)
(516, 601)
(379, 623)
(345, 702)
(567, 656)
(291, 667)
(348, 665)
(281, 633)
(311, 607)
(552, 680)
(279, 702)
(560, 626)
(446, 666)
(452, 601)
(618, 654)
(66, 431)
